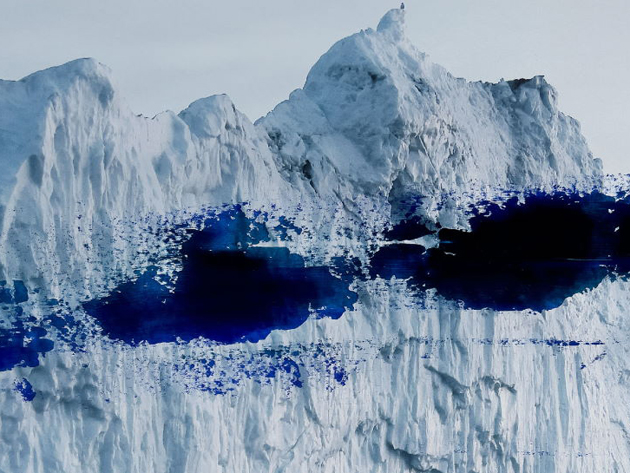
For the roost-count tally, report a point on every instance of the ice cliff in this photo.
(376, 116)
(378, 132)
(82, 174)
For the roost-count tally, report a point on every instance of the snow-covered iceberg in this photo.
(375, 115)
(106, 218)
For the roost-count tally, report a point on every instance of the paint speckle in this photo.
(25, 388)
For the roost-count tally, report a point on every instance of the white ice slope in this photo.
(376, 116)
(83, 177)
(389, 387)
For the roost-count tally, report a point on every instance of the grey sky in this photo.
(165, 54)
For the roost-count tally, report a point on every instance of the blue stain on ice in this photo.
(284, 226)
(529, 255)
(517, 256)
(228, 290)
(294, 365)
(290, 366)
(25, 388)
(17, 295)
(599, 357)
(340, 375)
(22, 346)
(22, 340)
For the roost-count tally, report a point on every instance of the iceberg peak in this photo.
(209, 116)
(388, 120)
(393, 24)
(88, 69)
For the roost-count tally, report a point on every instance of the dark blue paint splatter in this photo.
(227, 291)
(283, 227)
(21, 344)
(25, 388)
(17, 295)
(22, 341)
(290, 367)
(520, 256)
(20, 292)
(17, 350)
(340, 375)
(408, 229)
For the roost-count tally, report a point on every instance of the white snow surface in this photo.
(428, 389)
(82, 175)
(376, 116)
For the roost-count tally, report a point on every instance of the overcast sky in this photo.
(165, 54)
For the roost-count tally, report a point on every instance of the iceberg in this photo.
(196, 292)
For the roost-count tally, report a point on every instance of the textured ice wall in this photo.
(396, 384)
(85, 178)
(377, 116)
(437, 389)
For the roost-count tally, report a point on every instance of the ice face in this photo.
(229, 289)
(353, 283)
(521, 255)
(377, 116)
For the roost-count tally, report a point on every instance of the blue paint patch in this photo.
(285, 226)
(21, 346)
(17, 295)
(22, 340)
(25, 388)
(599, 357)
(340, 375)
(408, 229)
(290, 367)
(5, 294)
(228, 290)
(531, 255)
(20, 292)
